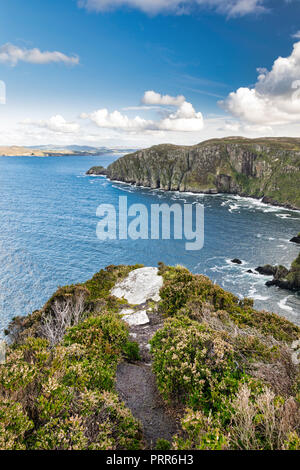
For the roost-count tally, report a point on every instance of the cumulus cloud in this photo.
(153, 7)
(296, 35)
(152, 98)
(55, 124)
(11, 54)
(275, 98)
(117, 120)
(183, 119)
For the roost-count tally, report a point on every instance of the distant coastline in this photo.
(56, 151)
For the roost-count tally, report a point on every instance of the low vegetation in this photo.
(57, 390)
(228, 365)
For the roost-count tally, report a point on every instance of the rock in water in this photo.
(295, 240)
(236, 261)
(267, 270)
(97, 171)
(139, 286)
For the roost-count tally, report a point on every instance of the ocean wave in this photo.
(283, 304)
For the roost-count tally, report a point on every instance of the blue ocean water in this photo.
(48, 235)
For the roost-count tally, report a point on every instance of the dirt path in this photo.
(136, 383)
(137, 387)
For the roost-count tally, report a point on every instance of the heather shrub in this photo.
(14, 423)
(182, 291)
(201, 432)
(98, 421)
(194, 364)
(63, 396)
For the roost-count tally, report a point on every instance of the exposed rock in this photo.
(287, 279)
(97, 171)
(267, 168)
(236, 261)
(2, 352)
(127, 311)
(139, 286)
(137, 318)
(296, 344)
(280, 272)
(295, 240)
(266, 270)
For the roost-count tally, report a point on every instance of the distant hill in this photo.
(55, 150)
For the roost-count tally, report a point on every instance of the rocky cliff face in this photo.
(262, 168)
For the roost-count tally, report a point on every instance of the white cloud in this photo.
(55, 124)
(153, 7)
(239, 128)
(117, 120)
(152, 98)
(275, 98)
(12, 54)
(184, 119)
(296, 35)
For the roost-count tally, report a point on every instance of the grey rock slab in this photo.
(139, 286)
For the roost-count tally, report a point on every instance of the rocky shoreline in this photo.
(104, 172)
(265, 169)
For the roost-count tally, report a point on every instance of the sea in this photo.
(48, 235)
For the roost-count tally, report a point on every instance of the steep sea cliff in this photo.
(266, 168)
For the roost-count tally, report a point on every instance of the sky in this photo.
(134, 73)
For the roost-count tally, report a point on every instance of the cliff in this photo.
(140, 358)
(267, 168)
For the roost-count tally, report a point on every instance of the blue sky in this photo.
(77, 72)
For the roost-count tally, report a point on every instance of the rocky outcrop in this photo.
(140, 285)
(236, 261)
(260, 168)
(283, 277)
(97, 171)
(296, 239)
(266, 270)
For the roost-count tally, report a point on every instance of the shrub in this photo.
(201, 433)
(14, 423)
(66, 391)
(194, 364)
(182, 291)
(263, 421)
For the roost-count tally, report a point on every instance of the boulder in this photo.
(267, 270)
(236, 261)
(137, 318)
(295, 240)
(139, 286)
